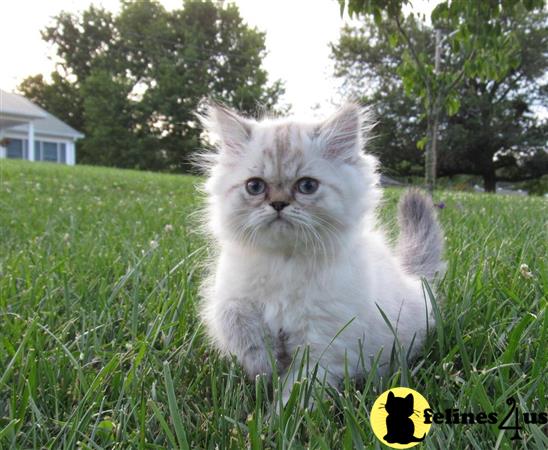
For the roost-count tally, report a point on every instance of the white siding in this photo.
(71, 154)
(30, 141)
(2, 149)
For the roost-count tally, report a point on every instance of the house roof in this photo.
(50, 125)
(18, 105)
(44, 122)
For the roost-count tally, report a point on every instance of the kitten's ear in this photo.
(410, 399)
(232, 130)
(342, 135)
(390, 396)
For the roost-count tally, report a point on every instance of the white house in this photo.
(30, 132)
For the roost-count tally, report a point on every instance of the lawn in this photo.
(100, 345)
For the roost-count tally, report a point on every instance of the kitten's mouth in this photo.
(279, 220)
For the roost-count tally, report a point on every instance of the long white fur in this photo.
(276, 287)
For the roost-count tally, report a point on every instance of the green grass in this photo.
(100, 345)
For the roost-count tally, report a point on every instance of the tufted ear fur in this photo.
(230, 129)
(342, 136)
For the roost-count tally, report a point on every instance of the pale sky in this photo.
(297, 36)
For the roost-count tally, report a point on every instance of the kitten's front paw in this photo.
(256, 362)
(283, 356)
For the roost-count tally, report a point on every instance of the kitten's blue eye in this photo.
(307, 185)
(255, 186)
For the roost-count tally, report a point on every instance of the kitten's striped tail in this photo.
(420, 243)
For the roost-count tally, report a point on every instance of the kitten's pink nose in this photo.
(278, 206)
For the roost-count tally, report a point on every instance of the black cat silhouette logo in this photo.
(399, 426)
(397, 418)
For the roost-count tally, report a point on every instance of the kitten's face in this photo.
(287, 186)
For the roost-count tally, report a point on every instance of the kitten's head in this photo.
(287, 185)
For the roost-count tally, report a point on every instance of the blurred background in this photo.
(459, 88)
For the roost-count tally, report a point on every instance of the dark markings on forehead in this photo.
(293, 160)
(286, 159)
(281, 139)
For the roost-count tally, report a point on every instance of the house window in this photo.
(43, 151)
(62, 152)
(50, 151)
(15, 149)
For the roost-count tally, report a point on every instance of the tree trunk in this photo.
(430, 156)
(434, 166)
(433, 114)
(428, 181)
(489, 181)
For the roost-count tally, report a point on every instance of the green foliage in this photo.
(366, 62)
(453, 105)
(60, 97)
(421, 143)
(108, 117)
(82, 41)
(489, 129)
(472, 29)
(156, 67)
(101, 345)
(473, 33)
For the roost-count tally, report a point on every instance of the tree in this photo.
(496, 134)
(216, 54)
(60, 97)
(367, 63)
(82, 42)
(108, 114)
(471, 142)
(473, 33)
(149, 68)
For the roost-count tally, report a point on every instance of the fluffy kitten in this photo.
(301, 261)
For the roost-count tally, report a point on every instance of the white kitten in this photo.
(291, 206)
